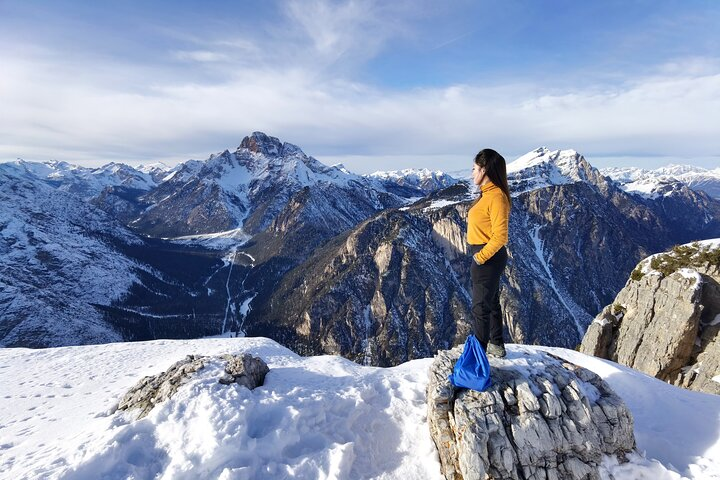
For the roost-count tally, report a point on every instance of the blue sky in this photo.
(372, 84)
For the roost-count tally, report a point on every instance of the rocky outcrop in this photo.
(665, 322)
(542, 417)
(243, 369)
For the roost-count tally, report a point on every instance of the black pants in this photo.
(487, 321)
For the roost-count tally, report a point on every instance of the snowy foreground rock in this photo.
(542, 417)
(242, 369)
(313, 418)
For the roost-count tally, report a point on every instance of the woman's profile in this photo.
(487, 236)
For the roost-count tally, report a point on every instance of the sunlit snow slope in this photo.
(315, 417)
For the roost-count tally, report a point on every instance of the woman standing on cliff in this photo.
(487, 235)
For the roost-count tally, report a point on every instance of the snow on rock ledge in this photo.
(542, 417)
(242, 369)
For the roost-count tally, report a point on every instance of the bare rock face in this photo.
(542, 417)
(243, 369)
(666, 320)
(663, 346)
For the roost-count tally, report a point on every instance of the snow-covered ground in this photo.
(315, 417)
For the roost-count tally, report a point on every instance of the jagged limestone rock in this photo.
(242, 369)
(665, 322)
(599, 334)
(150, 391)
(542, 417)
(660, 324)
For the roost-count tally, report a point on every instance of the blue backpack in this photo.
(472, 369)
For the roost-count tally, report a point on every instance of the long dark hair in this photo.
(495, 169)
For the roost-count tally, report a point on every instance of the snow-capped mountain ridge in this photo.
(88, 182)
(424, 180)
(152, 167)
(677, 169)
(654, 183)
(421, 173)
(261, 159)
(544, 167)
(249, 187)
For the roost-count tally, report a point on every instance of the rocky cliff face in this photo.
(383, 293)
(666, 320)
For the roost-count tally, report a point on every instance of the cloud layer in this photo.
(302, 81)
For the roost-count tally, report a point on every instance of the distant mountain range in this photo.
(266, 240)
(653, 183)
(425, 180)
(87, 182)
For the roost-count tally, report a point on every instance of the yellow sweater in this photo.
(488, 222)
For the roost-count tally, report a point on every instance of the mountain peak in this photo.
(543, 167)
(539, 156)
(259, 142)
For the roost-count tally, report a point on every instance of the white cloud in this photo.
(106, 109)
(201, 56)
(352, 29)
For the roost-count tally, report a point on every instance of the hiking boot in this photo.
(496, 350)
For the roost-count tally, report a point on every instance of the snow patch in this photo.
(644, 188)
(438, 204)
(216, 241)
(691, 275)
